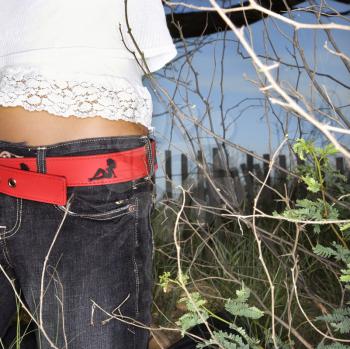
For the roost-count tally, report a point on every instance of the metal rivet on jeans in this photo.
(132, 208)
(12, 182)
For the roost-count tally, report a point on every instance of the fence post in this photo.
(281, 177)
(250, 163)
(249, 166)
(218, 178)
(266, 168)
(282, 161)
(184, 169)
(218, 168)
(258, 172)
(300, 189)
(168, 175)
(339, 161)
(200, 176)
(238, 187)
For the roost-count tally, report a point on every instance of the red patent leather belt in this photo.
(19, 176)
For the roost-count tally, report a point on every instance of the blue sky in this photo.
(249, 121)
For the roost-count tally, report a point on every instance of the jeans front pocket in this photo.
(149, 224)
(102, 202)
(10, 214)
(142, 259)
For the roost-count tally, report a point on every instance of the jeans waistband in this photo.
(97, 145)
(88, 146)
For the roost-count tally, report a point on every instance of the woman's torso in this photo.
(84, 37)
(45, 128)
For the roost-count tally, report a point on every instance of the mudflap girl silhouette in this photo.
(107, 173)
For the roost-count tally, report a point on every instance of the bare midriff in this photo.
(42, 128)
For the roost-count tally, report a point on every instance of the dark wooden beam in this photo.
(195, 24)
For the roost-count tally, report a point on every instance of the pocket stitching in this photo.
(98, 216)
(60, 207)
(150, 227)
(18, 223)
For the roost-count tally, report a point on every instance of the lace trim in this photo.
(83, 99)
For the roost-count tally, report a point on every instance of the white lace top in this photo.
(76, 57)
(83, 96)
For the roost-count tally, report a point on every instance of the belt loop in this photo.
(41, 160)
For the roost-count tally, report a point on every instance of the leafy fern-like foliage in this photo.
(238, 305)
(197, 313)
(339, 319)
(317, 173)
(226, 340)
(332, 346)
(311, 211)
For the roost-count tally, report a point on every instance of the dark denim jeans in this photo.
(84, 270)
